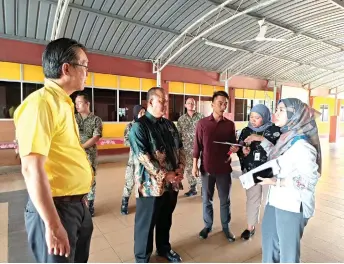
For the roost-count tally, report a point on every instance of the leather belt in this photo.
(70, 198)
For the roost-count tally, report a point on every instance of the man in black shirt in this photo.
(159, 152)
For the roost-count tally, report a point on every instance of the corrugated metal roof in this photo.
(142, 29)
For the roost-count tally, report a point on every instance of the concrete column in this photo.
(232, 101)
(334, 123)
(333, 129)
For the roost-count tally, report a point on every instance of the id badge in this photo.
(256, 156)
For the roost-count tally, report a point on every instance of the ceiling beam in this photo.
(314, 79)
(219, 24)
(117, 17)
(322, 84)
(177, 33)
(190, 27)
(288, 28)
(287, 68)
(294, 32)
(339, 3)
(60, 13)
(274, 56)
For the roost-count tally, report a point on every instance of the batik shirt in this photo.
(90, 127)
(249, 162)
(157, 149)
(187, 128)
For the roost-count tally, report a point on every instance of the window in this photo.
(105, 104)
(88, 91)
(29, 88)
(144, 99)
(9, 98)
(127, 101)
(324, 113)
(341, 113)
(176, 106)
(205, 105)
(242, 109)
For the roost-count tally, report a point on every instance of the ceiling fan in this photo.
(261, 34)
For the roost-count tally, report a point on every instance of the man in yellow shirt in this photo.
(54, 164)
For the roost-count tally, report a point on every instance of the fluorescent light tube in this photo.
(207, 42)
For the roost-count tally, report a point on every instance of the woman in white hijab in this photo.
(291, 197)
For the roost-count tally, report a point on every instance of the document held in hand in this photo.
(267, 170)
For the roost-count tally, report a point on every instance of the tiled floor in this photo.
(113, 234)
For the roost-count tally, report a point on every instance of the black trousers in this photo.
(153, 212)
(77, 221)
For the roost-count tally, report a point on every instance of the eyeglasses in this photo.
(77, 64)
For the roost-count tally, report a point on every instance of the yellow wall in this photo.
(252, 94)
(33, 73)
(240, 124)
(9, 71)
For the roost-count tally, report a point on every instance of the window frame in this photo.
(126, 90)
(322, 113)
(341, 113)
(170, 102)
(21, 94)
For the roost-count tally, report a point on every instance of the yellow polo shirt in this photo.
(45, 124)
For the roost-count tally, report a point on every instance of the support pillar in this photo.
(158, 78)
(334, 123)
(275, 98)
(310, 98)
(157, 71)
(231, 108)
(226, 87)
(333, 129)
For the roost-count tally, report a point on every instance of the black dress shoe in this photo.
(171, 256)
(229, 235)
(247, 234)
(204, 233)
(191, 192)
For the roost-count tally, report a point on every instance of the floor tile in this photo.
(113, 236)
(104, 256)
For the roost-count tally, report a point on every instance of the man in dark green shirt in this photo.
(159, 169)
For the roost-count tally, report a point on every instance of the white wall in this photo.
(295, 92)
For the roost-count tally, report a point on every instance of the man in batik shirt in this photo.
(90, 131)
(187, 128)
(159, 168)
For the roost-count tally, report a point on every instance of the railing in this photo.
(101, 142)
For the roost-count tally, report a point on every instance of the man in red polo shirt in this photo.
(215, 163)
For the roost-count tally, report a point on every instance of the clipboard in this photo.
(228, 143)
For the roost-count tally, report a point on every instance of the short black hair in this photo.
(219, 93)
(152, 91)
(58, 52)
(85, 95)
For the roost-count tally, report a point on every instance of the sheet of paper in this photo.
(247, 180)
(228, 143)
